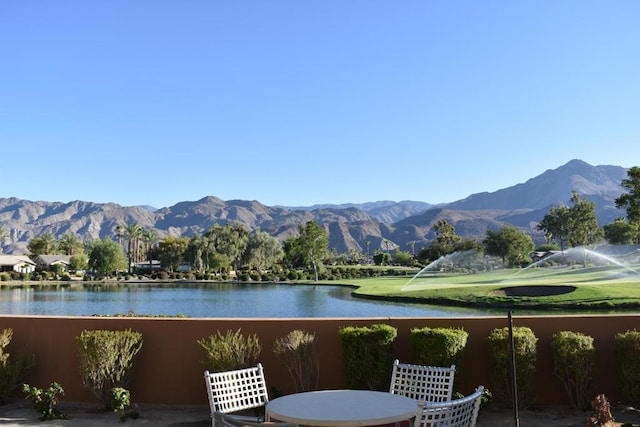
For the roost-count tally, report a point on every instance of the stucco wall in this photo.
(169, 369)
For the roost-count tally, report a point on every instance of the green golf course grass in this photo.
(578, 288)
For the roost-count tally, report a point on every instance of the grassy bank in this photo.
(577, 288)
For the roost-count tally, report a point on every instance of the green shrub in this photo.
(573, 365)
(5, 277)
(525, 358)
(439, 346)
(368, 356)
(107, 360)
(13, 370)
(298, 352)
(230, 351)
(627, 363)
(45, 401)
(120, 398)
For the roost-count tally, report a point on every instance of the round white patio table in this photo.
(341, 408)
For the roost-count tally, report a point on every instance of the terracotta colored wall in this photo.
(169, 369)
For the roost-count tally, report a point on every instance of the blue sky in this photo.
(292, 102)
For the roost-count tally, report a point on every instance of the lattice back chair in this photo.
(237, 390)
(455, 413)
(421, 382)
(228, 420)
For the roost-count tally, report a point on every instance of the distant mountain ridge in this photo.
(385, 211)
(408, 224)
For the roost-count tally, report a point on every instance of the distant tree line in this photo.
(231, 250)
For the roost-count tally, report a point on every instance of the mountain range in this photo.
(406, 224)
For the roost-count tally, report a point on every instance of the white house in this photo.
(18, 263)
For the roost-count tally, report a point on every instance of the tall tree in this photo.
(70, 244)
(630, 200)
(132, 233)
(262, 251)
(620, 232)
(557, 225)
(572, 226)
(226, 245)
(106, 257)
(446, 235)
(78, 261)
(312, 245)
(171, 251)
(149, 240)
(193, 254)
(45, 244)
(119, 234)
(584, 222)
(445, 242)
(511, 244)
(234, 243)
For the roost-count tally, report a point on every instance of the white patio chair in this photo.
(228, 420)
(236, 391)
(454, 413)
(421, 382)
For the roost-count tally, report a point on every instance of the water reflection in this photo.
(210, 300)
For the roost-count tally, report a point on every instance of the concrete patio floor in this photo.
(22, 413)
(18, 413)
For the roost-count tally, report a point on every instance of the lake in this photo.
(211, 300)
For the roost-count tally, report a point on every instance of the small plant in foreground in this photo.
(230, 351)
(573, 357)
(601, 416)
(107, 360)
(367, 355)
(45, 401)
(13, 368)
(120, 398)
(121, 401)
(627, 363)
(525, 349)
(298, 352)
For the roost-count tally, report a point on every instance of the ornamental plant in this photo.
(45, 401)
(13, 370)
(121, 398)
(121, 402)
(230, 351)
(298, 352)
(439, 346)
(107, 360)
(627, 363)
(525, 351)
(573, 364)
(368, 355)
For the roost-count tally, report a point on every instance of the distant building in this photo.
(537, 256)
(145, 265)
(48, 262)
(18, 263)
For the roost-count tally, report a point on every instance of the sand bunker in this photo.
(536, 291)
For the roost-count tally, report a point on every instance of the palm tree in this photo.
(413, 247)
(49, 243)
(149, 239)
(119, 233)
(132, 232)
(70, 244)
(368, 242)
